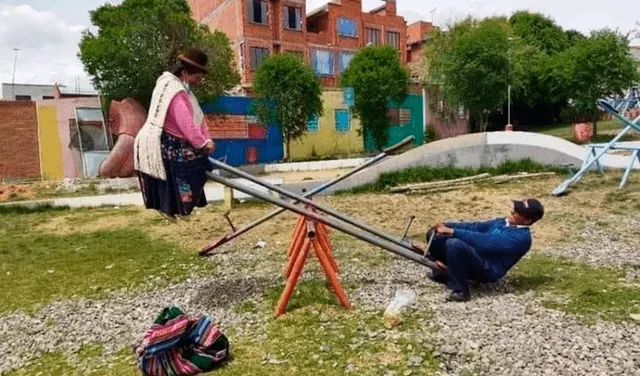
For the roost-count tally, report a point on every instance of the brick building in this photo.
(416, 39)
(326, 38)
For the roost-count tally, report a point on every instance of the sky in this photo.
(47, 32)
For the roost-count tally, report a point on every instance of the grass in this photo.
(316, 337)
(39, 267)
(584, 290)
(605, 130)
(428, 173)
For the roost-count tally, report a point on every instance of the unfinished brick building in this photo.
(326, 38)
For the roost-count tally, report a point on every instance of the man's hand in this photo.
(440, 267)
(443, 230)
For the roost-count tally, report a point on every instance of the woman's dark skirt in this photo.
(186, 169)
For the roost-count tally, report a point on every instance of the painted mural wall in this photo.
(335, 133)
(239, 139)
(407, 119)
(58, 158)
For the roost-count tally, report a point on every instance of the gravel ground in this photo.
(497, 333)
(500, 333)
(602, 246)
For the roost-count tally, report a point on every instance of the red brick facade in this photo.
(416, 39)
(317, 30)
(19, 146)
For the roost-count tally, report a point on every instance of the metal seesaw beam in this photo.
(323, 208)
(329, 221)
(385, 153)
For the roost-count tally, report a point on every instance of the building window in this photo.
(47, 97)
(347, 27)
(292, 18)
(373, 36)
(322, 62)
(258, 12)
(258, 54)
(399, 116)
(23, 97)
(393, 39)
(343, 121)
(313, 123)
(345, 59)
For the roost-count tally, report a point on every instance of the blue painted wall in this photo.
(235, 150)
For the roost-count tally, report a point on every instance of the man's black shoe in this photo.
(458, 297)
(437, 278)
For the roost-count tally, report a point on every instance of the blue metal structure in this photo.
(594, 158)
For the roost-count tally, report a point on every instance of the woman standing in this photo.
(172, 148)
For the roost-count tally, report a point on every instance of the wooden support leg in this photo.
(296, 247)
(323, 239)
(293, 278)
(330, 274)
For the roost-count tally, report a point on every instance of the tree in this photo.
(139, 39)
(378, 77)
(471, 64)
(600, 65)
(539, 31)
(290, 95)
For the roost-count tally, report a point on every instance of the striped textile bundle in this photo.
(181, 345)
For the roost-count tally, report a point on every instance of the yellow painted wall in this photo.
(327, 141)
(51, 160)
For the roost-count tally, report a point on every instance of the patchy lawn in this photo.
(60, 254)
(38, 265)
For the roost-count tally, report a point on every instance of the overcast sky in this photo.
(47, 32)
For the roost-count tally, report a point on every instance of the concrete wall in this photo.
(51, 150)
(19, 147)
(327, 140)
(484, 149)
(238, 138)
(35, 92)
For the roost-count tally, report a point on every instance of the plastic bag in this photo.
(395, 309)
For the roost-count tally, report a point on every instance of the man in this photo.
(481, 251)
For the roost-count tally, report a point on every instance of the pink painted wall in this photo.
(66, 110)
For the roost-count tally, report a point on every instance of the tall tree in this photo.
(598, 66)
(290, 95)
(539, 31)
(139, 39)
(378, 77)
(471, 63)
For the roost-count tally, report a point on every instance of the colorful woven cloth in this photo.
(181, 345)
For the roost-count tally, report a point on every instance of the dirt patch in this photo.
(90, 220)
(11, 192)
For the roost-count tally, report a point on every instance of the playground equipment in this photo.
(309, 234)
(594, 158)
(237, 232)
(332, 219)
(126, 117)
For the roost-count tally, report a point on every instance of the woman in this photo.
(171, 150)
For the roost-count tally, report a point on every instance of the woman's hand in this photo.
(209, 146)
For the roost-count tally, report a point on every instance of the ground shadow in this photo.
(230, 292)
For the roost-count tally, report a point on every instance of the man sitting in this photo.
(481, 251)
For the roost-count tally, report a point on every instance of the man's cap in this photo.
(529, 208)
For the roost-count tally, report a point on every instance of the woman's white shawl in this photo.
(147, 153)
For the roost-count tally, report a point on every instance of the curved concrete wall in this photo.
(484, 149)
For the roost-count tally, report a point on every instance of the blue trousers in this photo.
(462, 261)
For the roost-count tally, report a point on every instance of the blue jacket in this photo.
(501, 246)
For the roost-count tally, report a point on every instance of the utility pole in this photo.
(509, 85)
(431, 12)
(13, 80)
